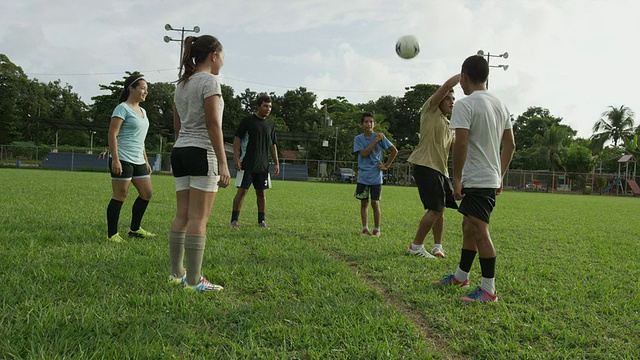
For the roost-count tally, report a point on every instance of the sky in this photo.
(573, 57)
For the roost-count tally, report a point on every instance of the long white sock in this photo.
(416, 247)
(461, 276)
(489, 285)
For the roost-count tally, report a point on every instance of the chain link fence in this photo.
(400, 173)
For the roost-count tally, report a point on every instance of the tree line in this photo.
(31, 111)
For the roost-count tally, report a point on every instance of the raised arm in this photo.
(365, 152)
(444, 89)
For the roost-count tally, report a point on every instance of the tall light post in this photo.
(92, 133)
(488, 55)
(182, 30)
(335, 151)
(328, 122)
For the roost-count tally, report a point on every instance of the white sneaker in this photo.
(438, 251)
(203, 286)
(421, 252)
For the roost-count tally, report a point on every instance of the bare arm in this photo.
(146, 160)
(112, 138)
(508, 148)
(365, 152)
(177, 125)
(459, 158)
(214, 128)
(274, 155)
(236, 153)
(392, 156)
(444, 89)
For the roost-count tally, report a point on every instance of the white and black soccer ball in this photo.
(407, 47)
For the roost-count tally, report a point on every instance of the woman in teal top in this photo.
(128, 163)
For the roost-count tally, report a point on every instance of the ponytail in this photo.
(188, 66)
(195, 51)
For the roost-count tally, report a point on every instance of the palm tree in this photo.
(616, 124)
(551, 143)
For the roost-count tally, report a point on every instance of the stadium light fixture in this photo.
(488, 55)
(182, 30)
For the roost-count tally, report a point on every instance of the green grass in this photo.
(311, 287)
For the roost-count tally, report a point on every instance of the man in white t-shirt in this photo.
(482, 123)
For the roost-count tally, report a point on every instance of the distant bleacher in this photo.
(74, 161)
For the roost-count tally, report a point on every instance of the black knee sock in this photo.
(260, 217)
(139, 207)
(488, 267)
(466, 259)
(113, 215)
(235, 215)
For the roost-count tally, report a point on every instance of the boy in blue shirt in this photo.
(370, 147)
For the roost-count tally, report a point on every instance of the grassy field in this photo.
(311, 287)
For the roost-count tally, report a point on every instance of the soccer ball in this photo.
(407, 47)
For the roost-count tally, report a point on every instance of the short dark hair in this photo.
(365, 115)
(263, 98)
(476, 68)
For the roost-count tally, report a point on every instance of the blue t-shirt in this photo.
(132, 133)
(368, 173)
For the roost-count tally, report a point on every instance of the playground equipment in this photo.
(627, 160)
(634, 187)
(612, 185)
(625, 181)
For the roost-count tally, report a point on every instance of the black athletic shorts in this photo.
(193, 161)
(478, 203)
(364, 191)
(435, 189)
(259, 180)
(130, 171)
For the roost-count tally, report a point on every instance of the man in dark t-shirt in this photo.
(254, 166)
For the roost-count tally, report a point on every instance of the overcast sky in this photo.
(573, 57)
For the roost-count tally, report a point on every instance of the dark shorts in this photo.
(130, 171)
(478, 203)
(193, 161)
(259, 180)
(364, 191)
(435, 189)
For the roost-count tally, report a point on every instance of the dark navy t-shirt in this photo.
(262, 135)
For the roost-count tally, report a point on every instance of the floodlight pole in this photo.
(335, 151)
(489, 56)
(182, 30)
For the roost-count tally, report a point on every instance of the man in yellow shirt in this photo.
(430, 167)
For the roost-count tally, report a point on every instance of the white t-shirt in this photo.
(189, 101)
(487, 118)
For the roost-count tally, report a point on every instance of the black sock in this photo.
(113, 215)
(139, 207)
(488, 267)
(235, 215)
(260, 217)
(466, 259)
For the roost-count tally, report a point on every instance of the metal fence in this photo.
(400, 173)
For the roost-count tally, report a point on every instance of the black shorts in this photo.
(364, 191)
(193, 161)
(435, 189)
(259, 180)
(130, 171)
(478, 203)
